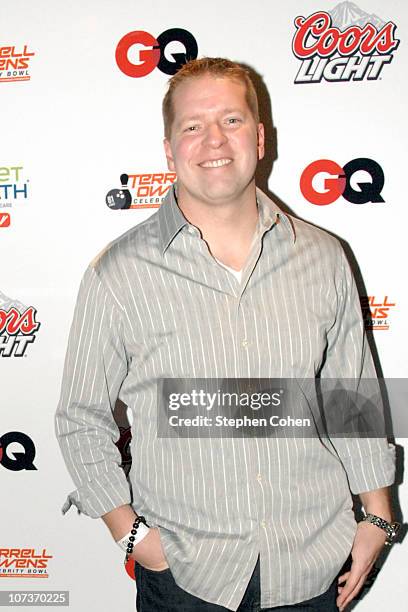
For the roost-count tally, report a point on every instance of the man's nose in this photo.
(215, 136)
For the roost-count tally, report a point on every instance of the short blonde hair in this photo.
(214, 66)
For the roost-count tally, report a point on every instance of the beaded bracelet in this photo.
(138, 520)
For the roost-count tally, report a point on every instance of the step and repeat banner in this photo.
(82, 161)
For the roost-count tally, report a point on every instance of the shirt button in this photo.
(244, 343)
(259, 477)
(263, 523)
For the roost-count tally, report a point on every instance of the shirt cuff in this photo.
(99, 496)
(372, 471)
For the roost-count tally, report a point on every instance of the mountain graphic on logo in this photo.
(348, 14)
(6, 303)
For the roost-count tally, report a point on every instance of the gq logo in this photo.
(340, 182)
(154, 53)
(18, 460)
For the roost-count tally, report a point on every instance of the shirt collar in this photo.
(270, 213)
(171, 219)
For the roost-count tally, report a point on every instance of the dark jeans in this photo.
(158, 592)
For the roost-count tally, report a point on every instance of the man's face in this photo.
(215, 143)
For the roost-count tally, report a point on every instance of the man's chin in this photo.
(217, 199)
(215, 192)
(221, 193)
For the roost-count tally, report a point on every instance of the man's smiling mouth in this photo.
(216, 163)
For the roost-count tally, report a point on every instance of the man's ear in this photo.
(261, 140)
(169, 155)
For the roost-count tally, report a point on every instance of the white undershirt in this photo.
(236, 273)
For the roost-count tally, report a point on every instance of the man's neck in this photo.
(227, 227)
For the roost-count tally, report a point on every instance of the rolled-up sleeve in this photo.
(368, 461)
(95, 367)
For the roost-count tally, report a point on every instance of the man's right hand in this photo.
(149, 552)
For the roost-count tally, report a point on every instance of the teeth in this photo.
(217, 163)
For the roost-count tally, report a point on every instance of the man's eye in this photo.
(191, 128)
(232, 120)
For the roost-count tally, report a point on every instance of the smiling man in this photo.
(211, 286)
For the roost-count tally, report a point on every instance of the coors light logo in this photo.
(344, 44)
(18, 327)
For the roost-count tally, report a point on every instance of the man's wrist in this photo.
(119, 521)
(378, 502)
(383, 512)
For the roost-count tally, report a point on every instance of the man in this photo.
(213, 285)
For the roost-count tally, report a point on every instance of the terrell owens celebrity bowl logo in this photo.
(15, 62)
(344, 44)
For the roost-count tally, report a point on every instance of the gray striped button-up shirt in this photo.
(156, 304)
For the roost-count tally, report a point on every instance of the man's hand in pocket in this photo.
(149, 552)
